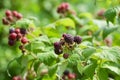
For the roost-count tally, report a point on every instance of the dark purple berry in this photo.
(11, 42)
(66, 72)
(65, 55)
(23, 31)
(8, 13)
(57, 45)
(77, 39)
(68, 38)
(12, 36)
(58, 51)
(12, 30)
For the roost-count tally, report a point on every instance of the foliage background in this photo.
(45, 13)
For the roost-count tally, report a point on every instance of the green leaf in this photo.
(52, 70)
(88, 52)
(110, 15)
(66, 22)
(108, 30)
(113, 67)
(80, 67)
(102, 74)
(72, 60)
(47, 58)
(89, 70)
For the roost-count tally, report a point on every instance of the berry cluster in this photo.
(68, 41)
(64, 7)
(11, 17)
(17, 35)
(67, 75)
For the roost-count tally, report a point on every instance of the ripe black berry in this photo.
(11, 30)
(11, 42)
(12, 36)
(66, 72)
(23, 31)
(57, 45)
(65, 55)
(68, 38)
(58, 51)
(77, 39)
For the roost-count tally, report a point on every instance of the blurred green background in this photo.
(45, 12)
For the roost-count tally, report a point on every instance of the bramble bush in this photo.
(74, 47)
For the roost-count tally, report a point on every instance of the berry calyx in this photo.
(12, 36)
(24, 40)
(8, 13)
(77, 39)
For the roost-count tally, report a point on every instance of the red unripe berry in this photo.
(71, 76)
(65, 55)
(24, 40)
(19, 35)
(16, 78)
(10, 18)
(17, 30)
(19, 16)
(11, 42)
(14, 13)
(4, 21)
(12, 36)
(8, 13)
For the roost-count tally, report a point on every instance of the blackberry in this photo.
(24, 40)
(5, 21)
(77, 39)
(11, 30)
(65, 55)
(57, 45)
(11, 42)
(63, 8)
(23, 31)
(66, 72)
(58, 51)
(8, 13)
(68, 38)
